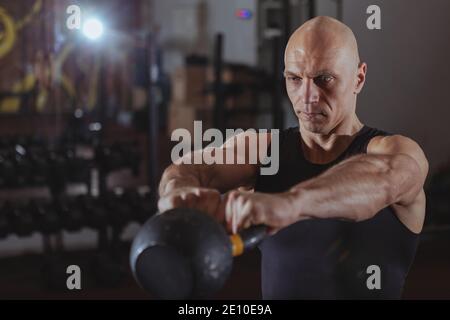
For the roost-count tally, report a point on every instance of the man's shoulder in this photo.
(399, 145)
(391, 143)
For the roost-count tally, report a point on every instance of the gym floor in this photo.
(428, 279)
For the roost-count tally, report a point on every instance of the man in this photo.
(347, 204)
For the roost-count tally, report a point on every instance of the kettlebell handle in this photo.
(248, 239)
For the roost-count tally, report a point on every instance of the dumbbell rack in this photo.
(55, 167)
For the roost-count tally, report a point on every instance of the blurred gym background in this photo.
(86, 117)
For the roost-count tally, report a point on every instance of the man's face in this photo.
(322, 86)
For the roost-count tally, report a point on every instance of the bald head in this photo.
(325, 36)
(323, 74)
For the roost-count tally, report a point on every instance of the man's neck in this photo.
(324, 148)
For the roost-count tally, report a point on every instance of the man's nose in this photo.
(309, 92)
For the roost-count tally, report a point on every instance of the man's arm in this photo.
(192, 185)
(392, 172)
(223, 177)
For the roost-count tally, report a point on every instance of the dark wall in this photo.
(408, 81)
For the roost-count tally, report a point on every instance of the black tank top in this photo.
(329, 258)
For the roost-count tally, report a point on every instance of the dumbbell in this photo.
(5, 227)
(142, 206)
(119, 212)
(56, 173)
(20, 219)
(133, 199)
(40, 167)
(4, 142)
(7, 171)
(70, 213)
(149, 205)
(107, 158)
(36, 141)
(23, 170)
(46, 219)
(95, 214)
(184, 253)
(130, 155)
(76, 169)
(21, 140)
(106, 211)
(117, 156)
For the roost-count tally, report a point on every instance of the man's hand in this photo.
(243, 209)
(203, 199)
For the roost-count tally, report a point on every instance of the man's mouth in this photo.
(312, 115)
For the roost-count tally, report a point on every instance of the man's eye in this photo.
(294, 79)
(325, 79)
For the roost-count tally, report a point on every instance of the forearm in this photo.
(355, 189)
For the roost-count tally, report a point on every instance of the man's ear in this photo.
(361, 77)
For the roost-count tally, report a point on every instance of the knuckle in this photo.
(161, 206)
(165, 204)
(234, 194)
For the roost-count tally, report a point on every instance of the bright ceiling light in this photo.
(93, 28)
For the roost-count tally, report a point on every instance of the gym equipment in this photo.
(40, 167)
(224, 117)
(20, 219)
(184, 253)
(73, 213)
(118, 156)
(7, 171)
(95, 214)
(142, 206)
(5, 229)
(119, 212)
(70, 213)
(45, 218)
(28, 161)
